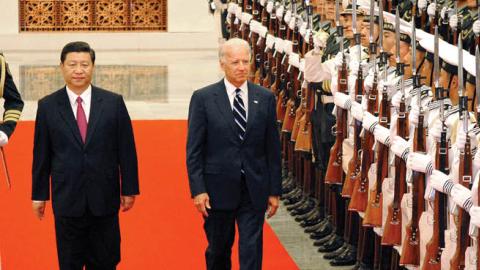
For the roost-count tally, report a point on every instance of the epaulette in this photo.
(435, 104)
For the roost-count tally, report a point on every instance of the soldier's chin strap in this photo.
(3, 74)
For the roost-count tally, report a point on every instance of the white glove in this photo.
(292, 23)
(476, 27)
(303, 29)
(238, 13)
(270, 7)
(453, 21)
(443, 12)
(254, 25)
(475, 216)
(441, 182)
(279, 12)
(357, 111)
(388, 85)
(279, 47)
(462, 138)
(382, 134)
(3, 139)
(262, 31)
(436, 131)
(294, 60)
(287, 47)
(231, 8)
(262, 2)
(270, 41)
(422, 4)
(369, 122)
(396, 99)
(413, 116)
(420, 163)
(400, 147)
(462, 196)
(342, 100)
(353, 66)
(320, 39)
(368, 83)
(302, 65)
(246, 18)
(431, 9)
(339, 59)
(288, 16)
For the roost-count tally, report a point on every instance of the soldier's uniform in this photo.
(13, 104)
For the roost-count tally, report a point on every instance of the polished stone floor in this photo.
(155, 85)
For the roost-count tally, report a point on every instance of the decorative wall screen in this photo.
(93, 15)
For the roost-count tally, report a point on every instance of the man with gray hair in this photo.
(233, 160)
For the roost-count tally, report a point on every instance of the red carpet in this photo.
(162, 231)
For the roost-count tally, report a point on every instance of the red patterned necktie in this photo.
(81, 119)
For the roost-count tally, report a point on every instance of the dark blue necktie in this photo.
(239, 114)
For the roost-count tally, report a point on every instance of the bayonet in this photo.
(477, 81)
(339, 26)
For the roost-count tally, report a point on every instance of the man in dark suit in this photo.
(233, 160)
(84, 143)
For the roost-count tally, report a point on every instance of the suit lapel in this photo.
(66, 113)
(223, 103)
(252, 107)
(96, 110)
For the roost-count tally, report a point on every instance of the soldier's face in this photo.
(236, 65)
(330, 10)
(366, 33)
(77, 71)
(389, 42)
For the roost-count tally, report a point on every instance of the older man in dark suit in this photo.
(84, 143)
(233, 160)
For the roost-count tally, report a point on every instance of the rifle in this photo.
(392, 232)
(465, 166)
(279, 86)
(411, 242)
(436, 245)
(334, 174)
(259, 45)
(353, 171)
(269, 67)
(359, 199)
(373, 213)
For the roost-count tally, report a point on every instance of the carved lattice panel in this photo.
(93, 15)
(139, 83)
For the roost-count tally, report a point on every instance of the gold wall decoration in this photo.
(93, 15)
(138, 83)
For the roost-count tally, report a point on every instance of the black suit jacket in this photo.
(215, 153)
(90, 175)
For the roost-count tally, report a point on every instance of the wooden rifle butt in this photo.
(334, 174)
(432, 259)
(350, 178)
(411, 247)
(266, 83)
(289, 118)
(359, 199)
(274, 87)
(304, 137)
(256, 79)
(373, 213)
(392, 231)
(281, 108)
(299, 113)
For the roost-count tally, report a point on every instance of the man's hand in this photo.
(38, 208)
(273, 203)
(202, 203)
(127, 202)
(3, 138)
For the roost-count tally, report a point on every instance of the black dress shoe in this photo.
(311, 221)
(318, 227)
(334, 254)
(306, 209)
(312, 214)
(321, 241)
(300, 204)
(333, 244)
(322, 232)
(348, 257)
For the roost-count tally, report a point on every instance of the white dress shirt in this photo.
(243, 93)
(86, 101)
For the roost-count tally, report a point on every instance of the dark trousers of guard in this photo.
(219, 228)
(88, 241)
